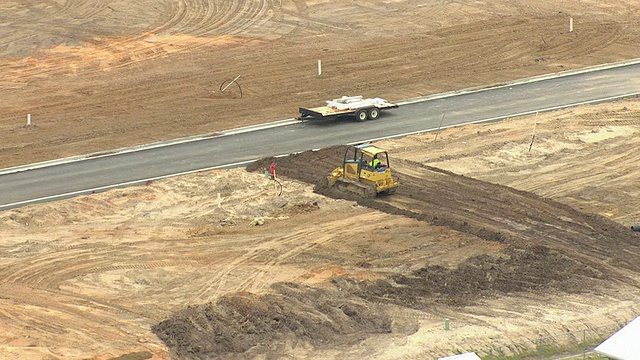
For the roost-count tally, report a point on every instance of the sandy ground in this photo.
(581, 178)
(92, 276)
(154, 271)
(110, 74)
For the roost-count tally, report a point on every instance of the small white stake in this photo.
(219, 201)
(570, 24)
(319, 67)
(28, 119)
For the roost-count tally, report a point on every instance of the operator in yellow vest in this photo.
(374, 163)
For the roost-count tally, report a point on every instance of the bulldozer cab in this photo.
(365, 171)
(365, 157)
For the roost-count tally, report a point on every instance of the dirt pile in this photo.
(547, 247)
(251, 324)
(247, 325)
(489, 211)
(523, 270)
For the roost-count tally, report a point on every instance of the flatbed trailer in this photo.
(361, 109)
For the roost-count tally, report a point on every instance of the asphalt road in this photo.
(25, 185)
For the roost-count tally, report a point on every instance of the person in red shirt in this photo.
(272, 170)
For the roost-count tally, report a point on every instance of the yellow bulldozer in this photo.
(365, 171)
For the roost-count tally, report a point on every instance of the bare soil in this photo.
(110, 74)
(507, 240)
(161, 271)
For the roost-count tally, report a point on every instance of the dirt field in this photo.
(509, 243)
(109, 74)
(160, 269)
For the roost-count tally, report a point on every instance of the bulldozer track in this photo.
(360, 191)
(277, 251)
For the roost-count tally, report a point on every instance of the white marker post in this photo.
(219, 201)
(570, 24)
(28, 119)
(319, 67)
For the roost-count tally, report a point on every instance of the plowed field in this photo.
(98, 75)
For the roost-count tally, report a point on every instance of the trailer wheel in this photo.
(374, 113)
(361, 115)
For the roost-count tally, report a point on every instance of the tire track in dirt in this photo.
(206, 18)
(44, 16)
(36, 315)
(595, 158)
(85, 10)
(57, 273)
(285, 247)
(598, 173)
(196, 18)
(590, 39)
(68, 16)
(301, 18)
(51, 269)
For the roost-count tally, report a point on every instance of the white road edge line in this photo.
(502, 117)
(528, 80)
(292, 121)
(102, 154)
(236, 164)
(124, 184)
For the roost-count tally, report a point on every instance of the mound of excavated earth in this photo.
(543, 246)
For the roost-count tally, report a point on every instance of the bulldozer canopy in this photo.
(370, 150)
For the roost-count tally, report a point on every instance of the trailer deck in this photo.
(362, 109)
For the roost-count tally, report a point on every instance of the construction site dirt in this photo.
(540, 246)
(505, 240)
(501, 238)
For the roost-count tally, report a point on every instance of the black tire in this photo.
(361, 115)
(374, 113)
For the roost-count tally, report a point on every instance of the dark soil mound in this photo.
(489, 211)
(246, 325)
(308, 166)
(250, 324)
(531, 269)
